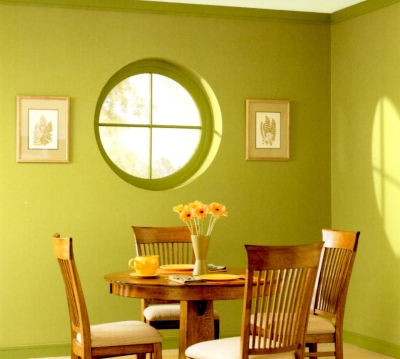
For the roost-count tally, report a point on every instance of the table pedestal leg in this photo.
(196, 324)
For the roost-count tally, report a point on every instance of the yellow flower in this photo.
(179, 208)
(217, 210)
(195, 204)
(200, 211)
(194, 215)
(186, 215)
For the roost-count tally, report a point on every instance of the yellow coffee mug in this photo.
(145, 265)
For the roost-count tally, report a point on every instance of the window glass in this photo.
(128, 148)
(149, 100)
(172, 149)
(128, 102)
(172, 104)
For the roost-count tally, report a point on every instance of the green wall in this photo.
(366, 170)
(61, 51)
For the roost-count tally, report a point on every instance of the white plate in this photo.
(219, 277)
(144, 275)
(177, 267)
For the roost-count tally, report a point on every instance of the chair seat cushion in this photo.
(316, 324)
(122, 333)
(166, 312)
(319, 325)
(264, 320)
(228, 348)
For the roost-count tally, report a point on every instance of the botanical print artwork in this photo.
(268, 130)
(43, 129)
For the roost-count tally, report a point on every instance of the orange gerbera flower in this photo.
(217, 210)
(186, 215)
(200, 211)
(194, 215)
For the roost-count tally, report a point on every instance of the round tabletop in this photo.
(162, 288)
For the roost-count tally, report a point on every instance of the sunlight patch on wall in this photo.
(386, 168)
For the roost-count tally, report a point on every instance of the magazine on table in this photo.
(186, 278)
(214, 268)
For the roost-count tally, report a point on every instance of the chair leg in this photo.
(216, 329)
(338, 348)
(141, 356)
(312, 348)
(157, 351)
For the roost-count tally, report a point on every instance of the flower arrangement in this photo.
(194, 215)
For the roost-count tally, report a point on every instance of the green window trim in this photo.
(210, 114)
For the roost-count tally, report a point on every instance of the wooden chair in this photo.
(102, 340)
(278, 291)
(326, 322)
(174, 246)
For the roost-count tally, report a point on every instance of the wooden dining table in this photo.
(196, 299)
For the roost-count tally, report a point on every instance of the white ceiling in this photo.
(320, 6)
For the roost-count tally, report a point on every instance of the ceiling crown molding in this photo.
(211, 11)
(180, 9)
(360, 9)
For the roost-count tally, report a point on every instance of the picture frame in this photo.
(267, 130)
(43, 128)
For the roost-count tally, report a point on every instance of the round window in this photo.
(157, 124)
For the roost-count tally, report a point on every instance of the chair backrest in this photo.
(278, 291)
(337, 259)
(172, 244)
(78, 314)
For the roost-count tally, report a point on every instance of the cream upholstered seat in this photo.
(278, 290)
(174, 246)
(166, 312)
(121, 333)
(325, 325)
(228, 348)
(318, 325)
(101, 340)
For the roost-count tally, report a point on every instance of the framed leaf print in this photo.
(267, 130)
(43, 129)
